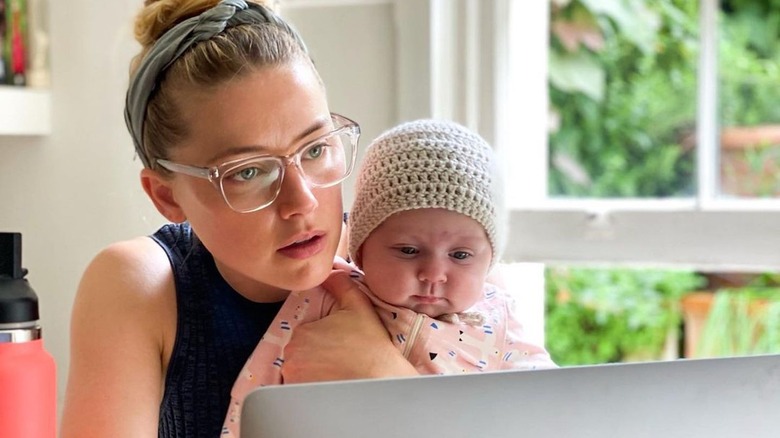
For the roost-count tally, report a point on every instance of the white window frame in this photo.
(505, 99)
(459, 59)
(705, 232)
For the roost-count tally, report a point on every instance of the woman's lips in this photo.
(305, 248)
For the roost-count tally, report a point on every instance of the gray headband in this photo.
(173, 43)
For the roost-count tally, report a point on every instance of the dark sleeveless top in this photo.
(217, 329)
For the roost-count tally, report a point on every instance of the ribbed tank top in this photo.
(217, 329)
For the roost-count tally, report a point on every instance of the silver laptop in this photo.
(713, 398)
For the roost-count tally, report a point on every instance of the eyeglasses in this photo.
(253, 183)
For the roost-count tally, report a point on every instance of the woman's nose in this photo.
(295, 196)
(432, 270)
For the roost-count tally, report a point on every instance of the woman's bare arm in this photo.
(122, 325)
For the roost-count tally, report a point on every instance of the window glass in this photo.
(606, 315)
(622, 89)
(749, 74)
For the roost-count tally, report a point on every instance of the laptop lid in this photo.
(714, 398)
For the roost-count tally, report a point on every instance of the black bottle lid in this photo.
(18, 302)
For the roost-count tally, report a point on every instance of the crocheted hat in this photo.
(428, 164)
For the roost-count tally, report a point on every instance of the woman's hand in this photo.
(350, 343)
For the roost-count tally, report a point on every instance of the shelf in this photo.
(24, 111)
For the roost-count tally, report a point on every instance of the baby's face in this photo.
(431, 260)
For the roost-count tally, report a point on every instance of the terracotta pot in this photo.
(750, 160)
(695, 308)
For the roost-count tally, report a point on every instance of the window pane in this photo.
(749, 72)
(604, 315)
(622, 84)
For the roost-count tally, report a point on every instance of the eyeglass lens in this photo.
(254, 184)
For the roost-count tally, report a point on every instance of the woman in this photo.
(242, 155)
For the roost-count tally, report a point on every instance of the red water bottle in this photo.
(28, 391)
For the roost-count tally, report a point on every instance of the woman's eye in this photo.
(246, 174)
(460, 255)
(314, 152)
(254, 172)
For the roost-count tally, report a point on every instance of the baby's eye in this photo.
(408, 250)
(460, 255)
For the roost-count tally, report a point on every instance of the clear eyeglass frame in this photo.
(216, 174)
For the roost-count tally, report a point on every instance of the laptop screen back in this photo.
(714, 398)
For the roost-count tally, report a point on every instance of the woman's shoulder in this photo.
(135, 270)
(140, 259)
(140, 255)
(129, 286)
(123, 326)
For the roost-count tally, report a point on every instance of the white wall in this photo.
(74, 191)
(354, 50)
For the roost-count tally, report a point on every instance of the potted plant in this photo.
(750, 117)
(750, 160)
(614, 315)
(734, 320)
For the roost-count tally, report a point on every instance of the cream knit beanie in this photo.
(428, 164)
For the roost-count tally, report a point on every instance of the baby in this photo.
(426, 227)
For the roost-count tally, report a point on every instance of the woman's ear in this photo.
(159, 190)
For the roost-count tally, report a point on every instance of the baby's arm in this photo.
(518, 351)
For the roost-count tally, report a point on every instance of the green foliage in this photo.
(742, 321)
(750, 63)
(610, 315)
(625, 93)
(765, 280)
(626, 138)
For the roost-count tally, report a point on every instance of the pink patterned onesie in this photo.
(484, 338)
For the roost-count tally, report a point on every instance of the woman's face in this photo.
(290, 244)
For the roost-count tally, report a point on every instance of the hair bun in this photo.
(158, 16)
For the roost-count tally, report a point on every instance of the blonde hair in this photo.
(233, 52)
